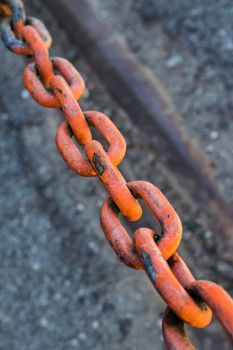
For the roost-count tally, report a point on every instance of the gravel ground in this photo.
(58, 289)
(189, 46)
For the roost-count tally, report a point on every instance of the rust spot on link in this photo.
(71, 109)
(71, 153)
(149, 267)
(99, 166)
(113, 206)
(113, 181)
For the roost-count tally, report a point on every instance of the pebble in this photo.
(209, 240)
(93, 246)
(4, 116)
(95, 324)
(36, 266)
(25, 94)
(210, 148)
(43, 322)
(99, 203)
(57, 296)
(74, 342)
(82, 336)
(174, 61)
(214, 135)
(225, 269)
(80, 207)
(86, 94)
(67, 284)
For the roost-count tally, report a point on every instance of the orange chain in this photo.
(55, 83)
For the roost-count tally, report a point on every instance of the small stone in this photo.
(67, 284)
(208, 235)
(93, 246)
(82, 336)
(209, 240)
(4, 116)
(159, 322)
(99, 203)
(74, 342)
(214, 135)
(25, 94)
(210, 148)
(43, 322)
(95, 324)
(4, 318)
(80, 207)
(225, 269)
(57, 296)
(174, 61)
(36, 266)
(223, 154)
(228, 44)
(86, 94)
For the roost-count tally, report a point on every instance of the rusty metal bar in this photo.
(137, 90)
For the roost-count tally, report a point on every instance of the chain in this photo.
(55, 83)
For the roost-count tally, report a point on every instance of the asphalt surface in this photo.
(61, 286)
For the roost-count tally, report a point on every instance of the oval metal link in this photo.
(171, 227)
(40, 51)
(19, 46)
(213, 295)
(38, 91)
(113, 181)
(71, 109)
(17, 14)
(70, 152)
(163, 279)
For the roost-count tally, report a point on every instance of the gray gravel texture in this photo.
(188, 45)
(61, 286)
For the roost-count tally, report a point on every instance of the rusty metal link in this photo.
(71, 110)
(14, 9)
(19, 46)
(55, 83)
(70, 152)
(163, 279)
(213, 295)
(40, 53)
(113, 181)
(12, 27)
(171, 229)
(44, 97)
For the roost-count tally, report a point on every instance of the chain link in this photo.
(55, 83)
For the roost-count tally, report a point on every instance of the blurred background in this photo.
(61, 285)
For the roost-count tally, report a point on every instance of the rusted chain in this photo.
(55, 83)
